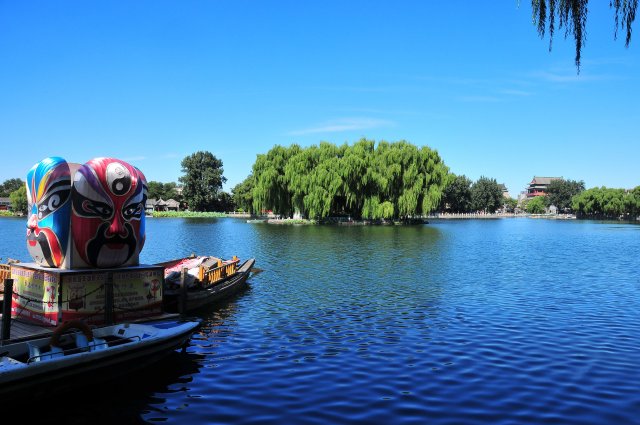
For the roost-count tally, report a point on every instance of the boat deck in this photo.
(21, 330)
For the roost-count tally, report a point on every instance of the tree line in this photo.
(366, 180)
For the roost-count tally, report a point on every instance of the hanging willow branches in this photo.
(572, 16)
(387, 181)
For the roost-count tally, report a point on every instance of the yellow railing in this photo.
(5, 272)
(220, 272)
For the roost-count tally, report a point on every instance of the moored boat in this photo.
(67, 360)
(208, 280)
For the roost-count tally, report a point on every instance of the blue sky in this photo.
(151, 82)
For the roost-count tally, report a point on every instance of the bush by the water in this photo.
(188, 214)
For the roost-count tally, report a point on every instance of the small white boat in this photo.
(67, 360)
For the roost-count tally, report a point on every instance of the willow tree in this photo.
(325, 188)
(604, 202)
(572, 16)
(357, 175)
(271, 191)
(296, 174)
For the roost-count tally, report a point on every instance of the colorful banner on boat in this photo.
(35, 295)
(137, 293)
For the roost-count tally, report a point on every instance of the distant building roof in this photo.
(544, 180)
(172, 203)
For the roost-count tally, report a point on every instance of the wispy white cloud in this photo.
(344, 124)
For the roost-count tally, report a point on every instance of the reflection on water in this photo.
(474, 322)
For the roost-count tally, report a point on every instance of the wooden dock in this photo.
(21, 330)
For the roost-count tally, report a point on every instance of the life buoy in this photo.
(78, 324)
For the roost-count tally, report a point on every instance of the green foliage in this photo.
(202, 181)
(224, 202)
(510, 204)
(242, 194)
(560, 192)
(457, 195)
(572, 15)
(271, 190)
(486, 195)
(19, 199)
(188, 214)
(602, 202)
(10, 185)
(536, 205)
(390, 180)
(157, 190)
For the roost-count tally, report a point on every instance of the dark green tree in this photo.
(202, 181)
(9, 186)
(224, 203)
(155, 190)
(560, 192)
(572, 16)
(632, 203)
(18, 199)
(457, 196)
(486, 195)
(170, 191)
(242, 194)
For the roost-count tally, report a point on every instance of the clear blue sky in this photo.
(151, 82)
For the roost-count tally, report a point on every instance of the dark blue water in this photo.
(512, 321)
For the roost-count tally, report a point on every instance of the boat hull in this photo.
(201, 298)
(73, 372)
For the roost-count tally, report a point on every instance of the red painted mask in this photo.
(108, 222)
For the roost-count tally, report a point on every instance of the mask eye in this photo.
(132, 211)
(96, 209)
(85, 207)
(58, 195)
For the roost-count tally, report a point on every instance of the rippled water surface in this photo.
(455, 322)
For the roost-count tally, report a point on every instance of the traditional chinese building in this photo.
(539, 185)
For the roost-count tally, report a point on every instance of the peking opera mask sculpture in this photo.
(48, 189)
(105, 221)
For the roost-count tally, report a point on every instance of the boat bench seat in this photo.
(83, 343)
(36, 354)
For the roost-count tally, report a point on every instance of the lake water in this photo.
(509, 321)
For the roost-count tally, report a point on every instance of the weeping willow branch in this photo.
(572, 16)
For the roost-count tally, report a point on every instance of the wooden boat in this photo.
(208, 280)
(67, 360)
